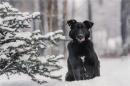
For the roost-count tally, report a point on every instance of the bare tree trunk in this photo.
(34, 22)
(53, 20)
(55, 15)
(50, 11)
(41, 25)
(73, 8)
(90, 14)
(54, 50)
(123, 21)
(42, 8)
(64, 16)
(125, 26)
(52, 15)
(64, 23)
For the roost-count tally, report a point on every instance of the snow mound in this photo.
(114, 72)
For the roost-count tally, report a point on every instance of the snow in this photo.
(1, 6)
(114, 44)
(114, 72)
(7, 28)
(24, 35)
(13, 44)
(55, 35)
(6, 4)
(25, 13)
(1, 21)
(8, 18)
(3, 56)
(45, 58)
(35, 14)
(60, 56)
(25, 57)
(14, 9)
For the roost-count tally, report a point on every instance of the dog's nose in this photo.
(80, 36)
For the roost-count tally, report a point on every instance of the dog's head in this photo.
(80, 31)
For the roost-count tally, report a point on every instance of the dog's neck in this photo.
(81, 43)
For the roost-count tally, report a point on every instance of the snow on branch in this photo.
(19, 51)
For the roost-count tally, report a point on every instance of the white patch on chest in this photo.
(83, 58)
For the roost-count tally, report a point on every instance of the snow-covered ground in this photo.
(114, 72)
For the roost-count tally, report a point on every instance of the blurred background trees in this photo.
(110, 33)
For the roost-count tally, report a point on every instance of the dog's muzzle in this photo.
(80, 38)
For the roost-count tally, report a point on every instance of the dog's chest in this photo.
(81, 51)
(82, 58)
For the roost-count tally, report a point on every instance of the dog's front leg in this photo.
(77, 73)
(75, 67)
(74, 63)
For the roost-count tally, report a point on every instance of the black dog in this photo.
(81, 46)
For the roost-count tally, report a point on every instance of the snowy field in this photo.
(114, 72)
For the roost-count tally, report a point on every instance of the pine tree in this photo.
(19, 50)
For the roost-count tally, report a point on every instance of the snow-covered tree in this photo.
(19, 50)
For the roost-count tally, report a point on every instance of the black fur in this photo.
(78, 47)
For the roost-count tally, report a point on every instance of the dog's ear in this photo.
(89, 24)
(71, 22)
